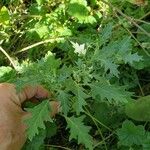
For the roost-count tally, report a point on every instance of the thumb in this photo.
(33, 91)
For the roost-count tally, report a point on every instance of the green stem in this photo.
(9, 58)
(99, 130)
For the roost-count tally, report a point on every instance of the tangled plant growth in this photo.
(94, 56)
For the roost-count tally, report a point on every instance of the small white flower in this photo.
(79, 49)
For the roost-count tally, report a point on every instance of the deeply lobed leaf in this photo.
(39, 114)
(79, 131)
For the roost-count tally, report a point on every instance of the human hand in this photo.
(12, 128)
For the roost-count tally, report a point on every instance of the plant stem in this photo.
(9, 58)
(98, 121)
(134, 37)
(125, 16)
(39, 43)
(99, 130)
(99, 143)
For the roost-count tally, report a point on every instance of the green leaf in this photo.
(51, 129)
(141, 37)
(50, 62)
(125, 51)
(146, 143)
(130, 58)
(109, 65)
(35, 9)
(42, 30)
(90, 19)
(107, 114)
(7, 74)
(80, 97)
(63, 97)
(64, 31)
(131, 134)
(4, 15)
(40, 2)
(79, 131)
(105, 34)
(112, 93)
(144, 63)
(40, 113)
(106, 58)
(44, 71)
(124, 45)
(37, 141)
(140, 109)
(4, 70)
(78, 9)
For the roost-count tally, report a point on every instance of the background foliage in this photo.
(94, 56)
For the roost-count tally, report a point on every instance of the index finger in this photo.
(33, 91)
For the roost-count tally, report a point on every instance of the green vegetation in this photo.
(94, 56)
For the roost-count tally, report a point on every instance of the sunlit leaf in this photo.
(4, 15)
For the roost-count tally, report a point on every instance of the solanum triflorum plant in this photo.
(80, 84)
(93, 59)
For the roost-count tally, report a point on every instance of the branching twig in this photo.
(138, 42)
(141, 89)
(99, 130)
(132, 20)
(145, 15)
(125, 16)
(101, 142)
(134, 37)
(98, 121)
(145, 22)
